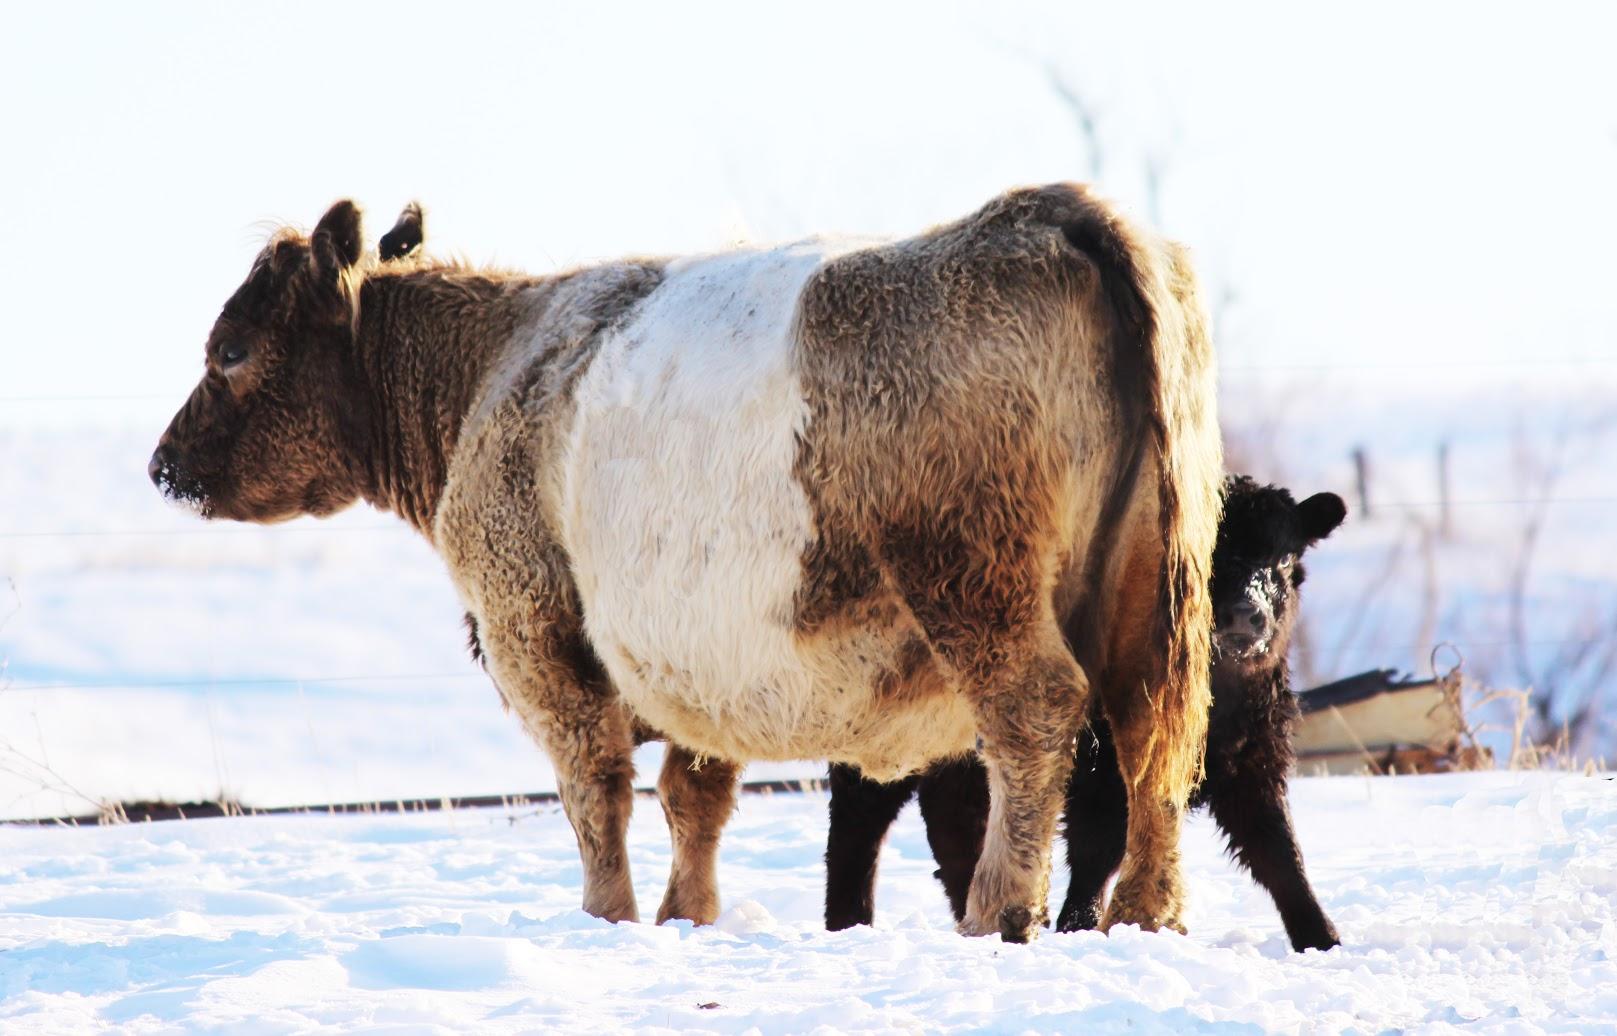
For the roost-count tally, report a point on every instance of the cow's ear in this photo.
(1320, 515)
(334, 245)
(406, 235)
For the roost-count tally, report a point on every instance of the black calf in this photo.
(1256, 575)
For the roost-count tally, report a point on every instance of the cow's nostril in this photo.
(1241, 618)
(161, 458)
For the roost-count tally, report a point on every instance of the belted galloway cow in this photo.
(830, 500)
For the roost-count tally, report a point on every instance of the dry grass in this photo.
(1527, 752)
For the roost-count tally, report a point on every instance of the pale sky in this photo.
(1377, 184)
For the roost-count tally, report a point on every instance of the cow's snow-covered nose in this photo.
(1242, 619)
(158, 467)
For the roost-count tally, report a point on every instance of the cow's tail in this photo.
(1166, 380)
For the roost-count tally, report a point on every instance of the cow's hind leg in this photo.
(954, 806)
(698, 797)
(1027, 713)
(1150, 891)
(1096, 827)
(861, 812)
(1158, 726)
(1027, 693)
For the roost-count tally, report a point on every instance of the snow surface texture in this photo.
(1481, 902)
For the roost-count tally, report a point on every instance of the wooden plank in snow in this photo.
(1378, 722)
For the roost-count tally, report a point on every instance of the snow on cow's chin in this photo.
(1243, 651)
(185, 497)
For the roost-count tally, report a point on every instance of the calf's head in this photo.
(1257, 566)
(273, 429)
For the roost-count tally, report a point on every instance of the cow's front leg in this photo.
(595, 775)
(551, 678)
(698, 797)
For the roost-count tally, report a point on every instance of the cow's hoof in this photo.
(699, 914)
(1321, 938)
(1153, 905)
(1079, 919)
(1147, 919)
(1016, 924)
(615, 909)
(975, 927)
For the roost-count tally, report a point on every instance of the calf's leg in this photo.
(1250, 806)
(698, 798)
(1096, 827)
(861, 812)
(954, 806)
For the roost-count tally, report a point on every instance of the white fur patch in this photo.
(682, 518)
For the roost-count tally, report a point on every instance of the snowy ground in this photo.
(1482, 902)
(1368, 295)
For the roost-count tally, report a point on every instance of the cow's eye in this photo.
(232, 356)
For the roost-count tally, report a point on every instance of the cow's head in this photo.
(275, 427)
(1257, 566)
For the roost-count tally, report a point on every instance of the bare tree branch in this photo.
(1084, 115)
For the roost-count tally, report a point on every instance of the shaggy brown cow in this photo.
(828, 500)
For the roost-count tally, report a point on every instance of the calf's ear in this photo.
(1320, 514)
(406, 235)
(334, 245)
